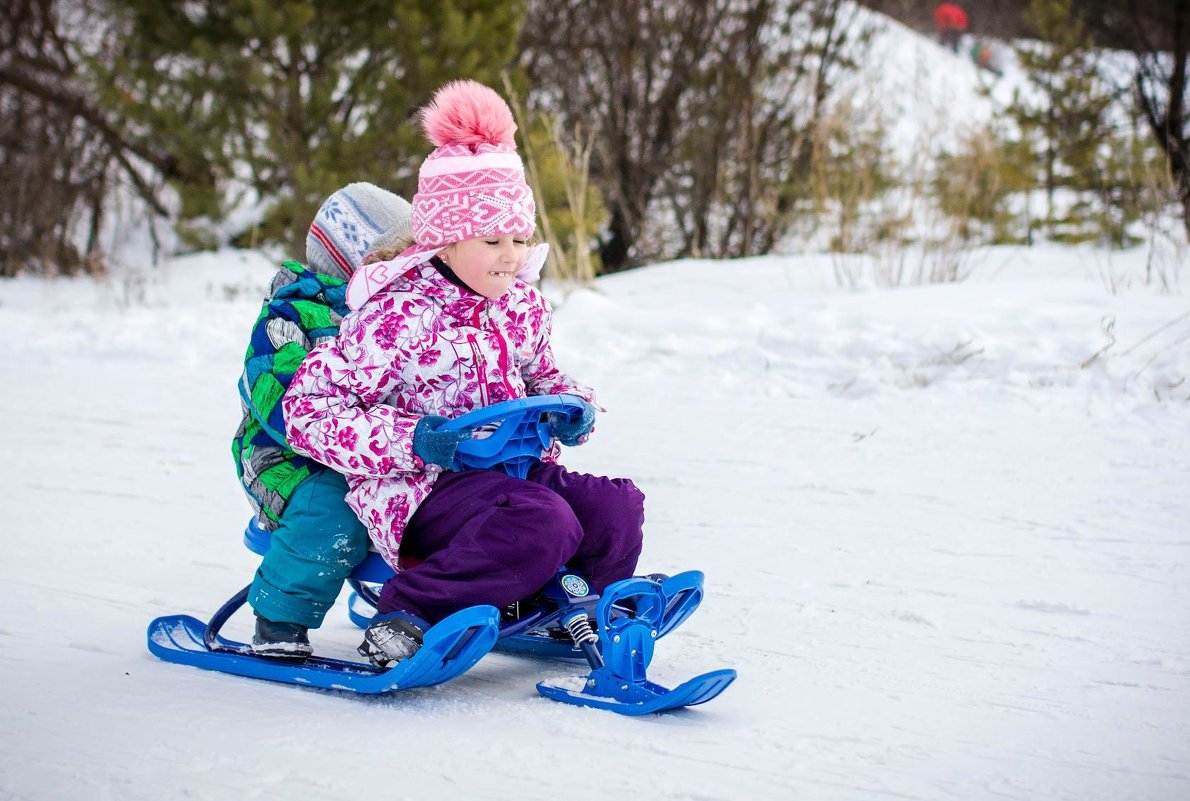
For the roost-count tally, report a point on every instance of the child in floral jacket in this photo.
(316, 539)
(445, 328)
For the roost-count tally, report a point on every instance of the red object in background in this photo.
(949, 17)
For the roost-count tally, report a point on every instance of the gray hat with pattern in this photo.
(359, 219)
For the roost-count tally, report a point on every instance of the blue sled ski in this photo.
(617, 680)
(451, 648)
(642, 698)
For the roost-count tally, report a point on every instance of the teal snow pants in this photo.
(317, 545)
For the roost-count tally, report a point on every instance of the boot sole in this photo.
(283, 652)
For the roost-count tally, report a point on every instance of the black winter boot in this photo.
(279, 639)
(392, 637)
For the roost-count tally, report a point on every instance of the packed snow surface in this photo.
(946, 533)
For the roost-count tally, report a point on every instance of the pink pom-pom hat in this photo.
(471, 186)
(468, 113)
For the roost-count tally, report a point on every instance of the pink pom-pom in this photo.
(468, 113)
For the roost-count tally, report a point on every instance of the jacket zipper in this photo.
(504, 364)
(505, 367)
(480, 369)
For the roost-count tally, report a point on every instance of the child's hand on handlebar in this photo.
(572, 428)
(434, 446)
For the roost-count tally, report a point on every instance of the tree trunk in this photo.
(613, 252)
(1160, 94)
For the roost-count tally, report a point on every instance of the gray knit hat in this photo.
(359, 219)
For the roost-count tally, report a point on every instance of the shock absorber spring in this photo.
(580, 630)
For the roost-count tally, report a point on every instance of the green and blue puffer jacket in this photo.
(303, 307)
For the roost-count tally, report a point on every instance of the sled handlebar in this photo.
(512, 434)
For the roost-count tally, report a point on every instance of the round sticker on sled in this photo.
(574, 585)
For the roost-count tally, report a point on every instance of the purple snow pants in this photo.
(487, 538)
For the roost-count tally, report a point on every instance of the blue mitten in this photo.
(434, 446)
(571, 428)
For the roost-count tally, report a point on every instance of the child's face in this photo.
(488, 264)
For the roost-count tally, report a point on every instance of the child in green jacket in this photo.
(316, 539)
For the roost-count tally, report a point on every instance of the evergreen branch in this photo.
(72, 103)
(361, 78)
(146, 192)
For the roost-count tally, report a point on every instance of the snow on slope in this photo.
(927, 95)
(947, 561)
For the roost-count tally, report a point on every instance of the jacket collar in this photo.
(458, 301)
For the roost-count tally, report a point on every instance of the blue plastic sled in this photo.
(629, 618)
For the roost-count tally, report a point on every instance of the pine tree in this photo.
(1063, 116)
(974, 185)
(1133, 185)
(294, 98)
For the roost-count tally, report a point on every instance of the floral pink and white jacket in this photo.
(419, 346)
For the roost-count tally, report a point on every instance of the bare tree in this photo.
(1157, 32)
(699, 111)
(775, 79)
(61, 152)
(623, 69)
(52, 167)
(1161, 92)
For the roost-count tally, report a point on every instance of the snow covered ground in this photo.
(947, 546)
(946, 532)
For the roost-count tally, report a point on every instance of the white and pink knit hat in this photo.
(471, 186)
